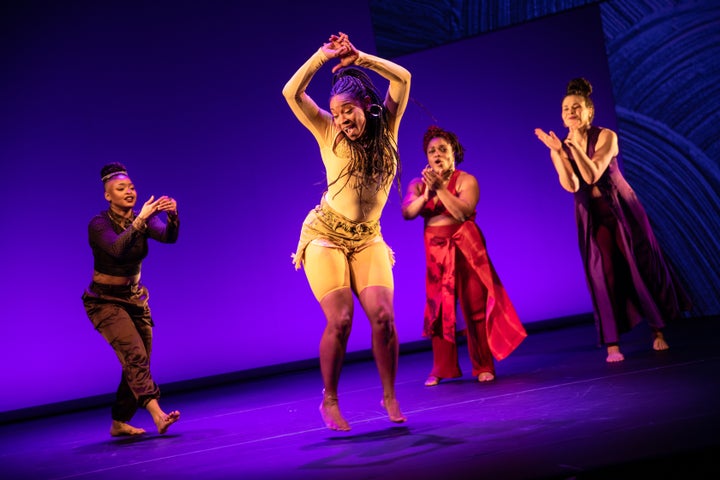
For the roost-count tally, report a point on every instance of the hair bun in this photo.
(434, 129)
(112, 169)
(579, 86)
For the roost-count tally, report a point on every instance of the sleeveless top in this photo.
(434, 207)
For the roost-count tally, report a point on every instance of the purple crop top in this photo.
(119, 248)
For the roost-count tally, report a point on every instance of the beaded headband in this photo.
(113, 174)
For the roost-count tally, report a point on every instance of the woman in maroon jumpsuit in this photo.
(627, 274)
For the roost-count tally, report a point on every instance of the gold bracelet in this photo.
(139, 225)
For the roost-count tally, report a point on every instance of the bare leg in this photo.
(659, 342)
(338, 309)
(331, 415)
(162, 420)
(614, 354)
(119, 429)
(378, 305)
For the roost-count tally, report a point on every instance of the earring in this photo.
(375, 110)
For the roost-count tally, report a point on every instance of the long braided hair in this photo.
(374, 158)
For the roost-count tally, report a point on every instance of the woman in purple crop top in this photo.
(117, 303)
(627, 274)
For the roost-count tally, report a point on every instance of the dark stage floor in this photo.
(557, 410)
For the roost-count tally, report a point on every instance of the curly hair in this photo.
(111, 170)
(582, 88)
(434, 131)
(374, 157)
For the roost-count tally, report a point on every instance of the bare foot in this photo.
(486, 377)
(659, 342)
(614, 354)
(330, 413)
(119, 429)
(163, 422)
(393, 408)
(432, 381)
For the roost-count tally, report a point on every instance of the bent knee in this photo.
(383, 317)
(341, 332)
(340, 325)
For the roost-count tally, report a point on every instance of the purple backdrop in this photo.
(188, 96)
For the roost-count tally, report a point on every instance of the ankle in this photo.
(389, 395)
(329, 398)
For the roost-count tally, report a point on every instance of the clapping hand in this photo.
(433, 181)
(549, 139)
(163, 204)
(575, 139)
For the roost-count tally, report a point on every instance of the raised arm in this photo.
(305, 109)
(157, 230)
(398, 92)
(164, 232)
(102, 235)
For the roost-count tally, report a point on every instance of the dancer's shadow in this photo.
(125, 442)
(376, 448)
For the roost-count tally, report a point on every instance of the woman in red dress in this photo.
(459, 270)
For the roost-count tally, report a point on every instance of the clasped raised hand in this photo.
(339, 46)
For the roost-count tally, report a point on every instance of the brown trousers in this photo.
(122, 316)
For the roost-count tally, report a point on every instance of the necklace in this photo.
(119, 220)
